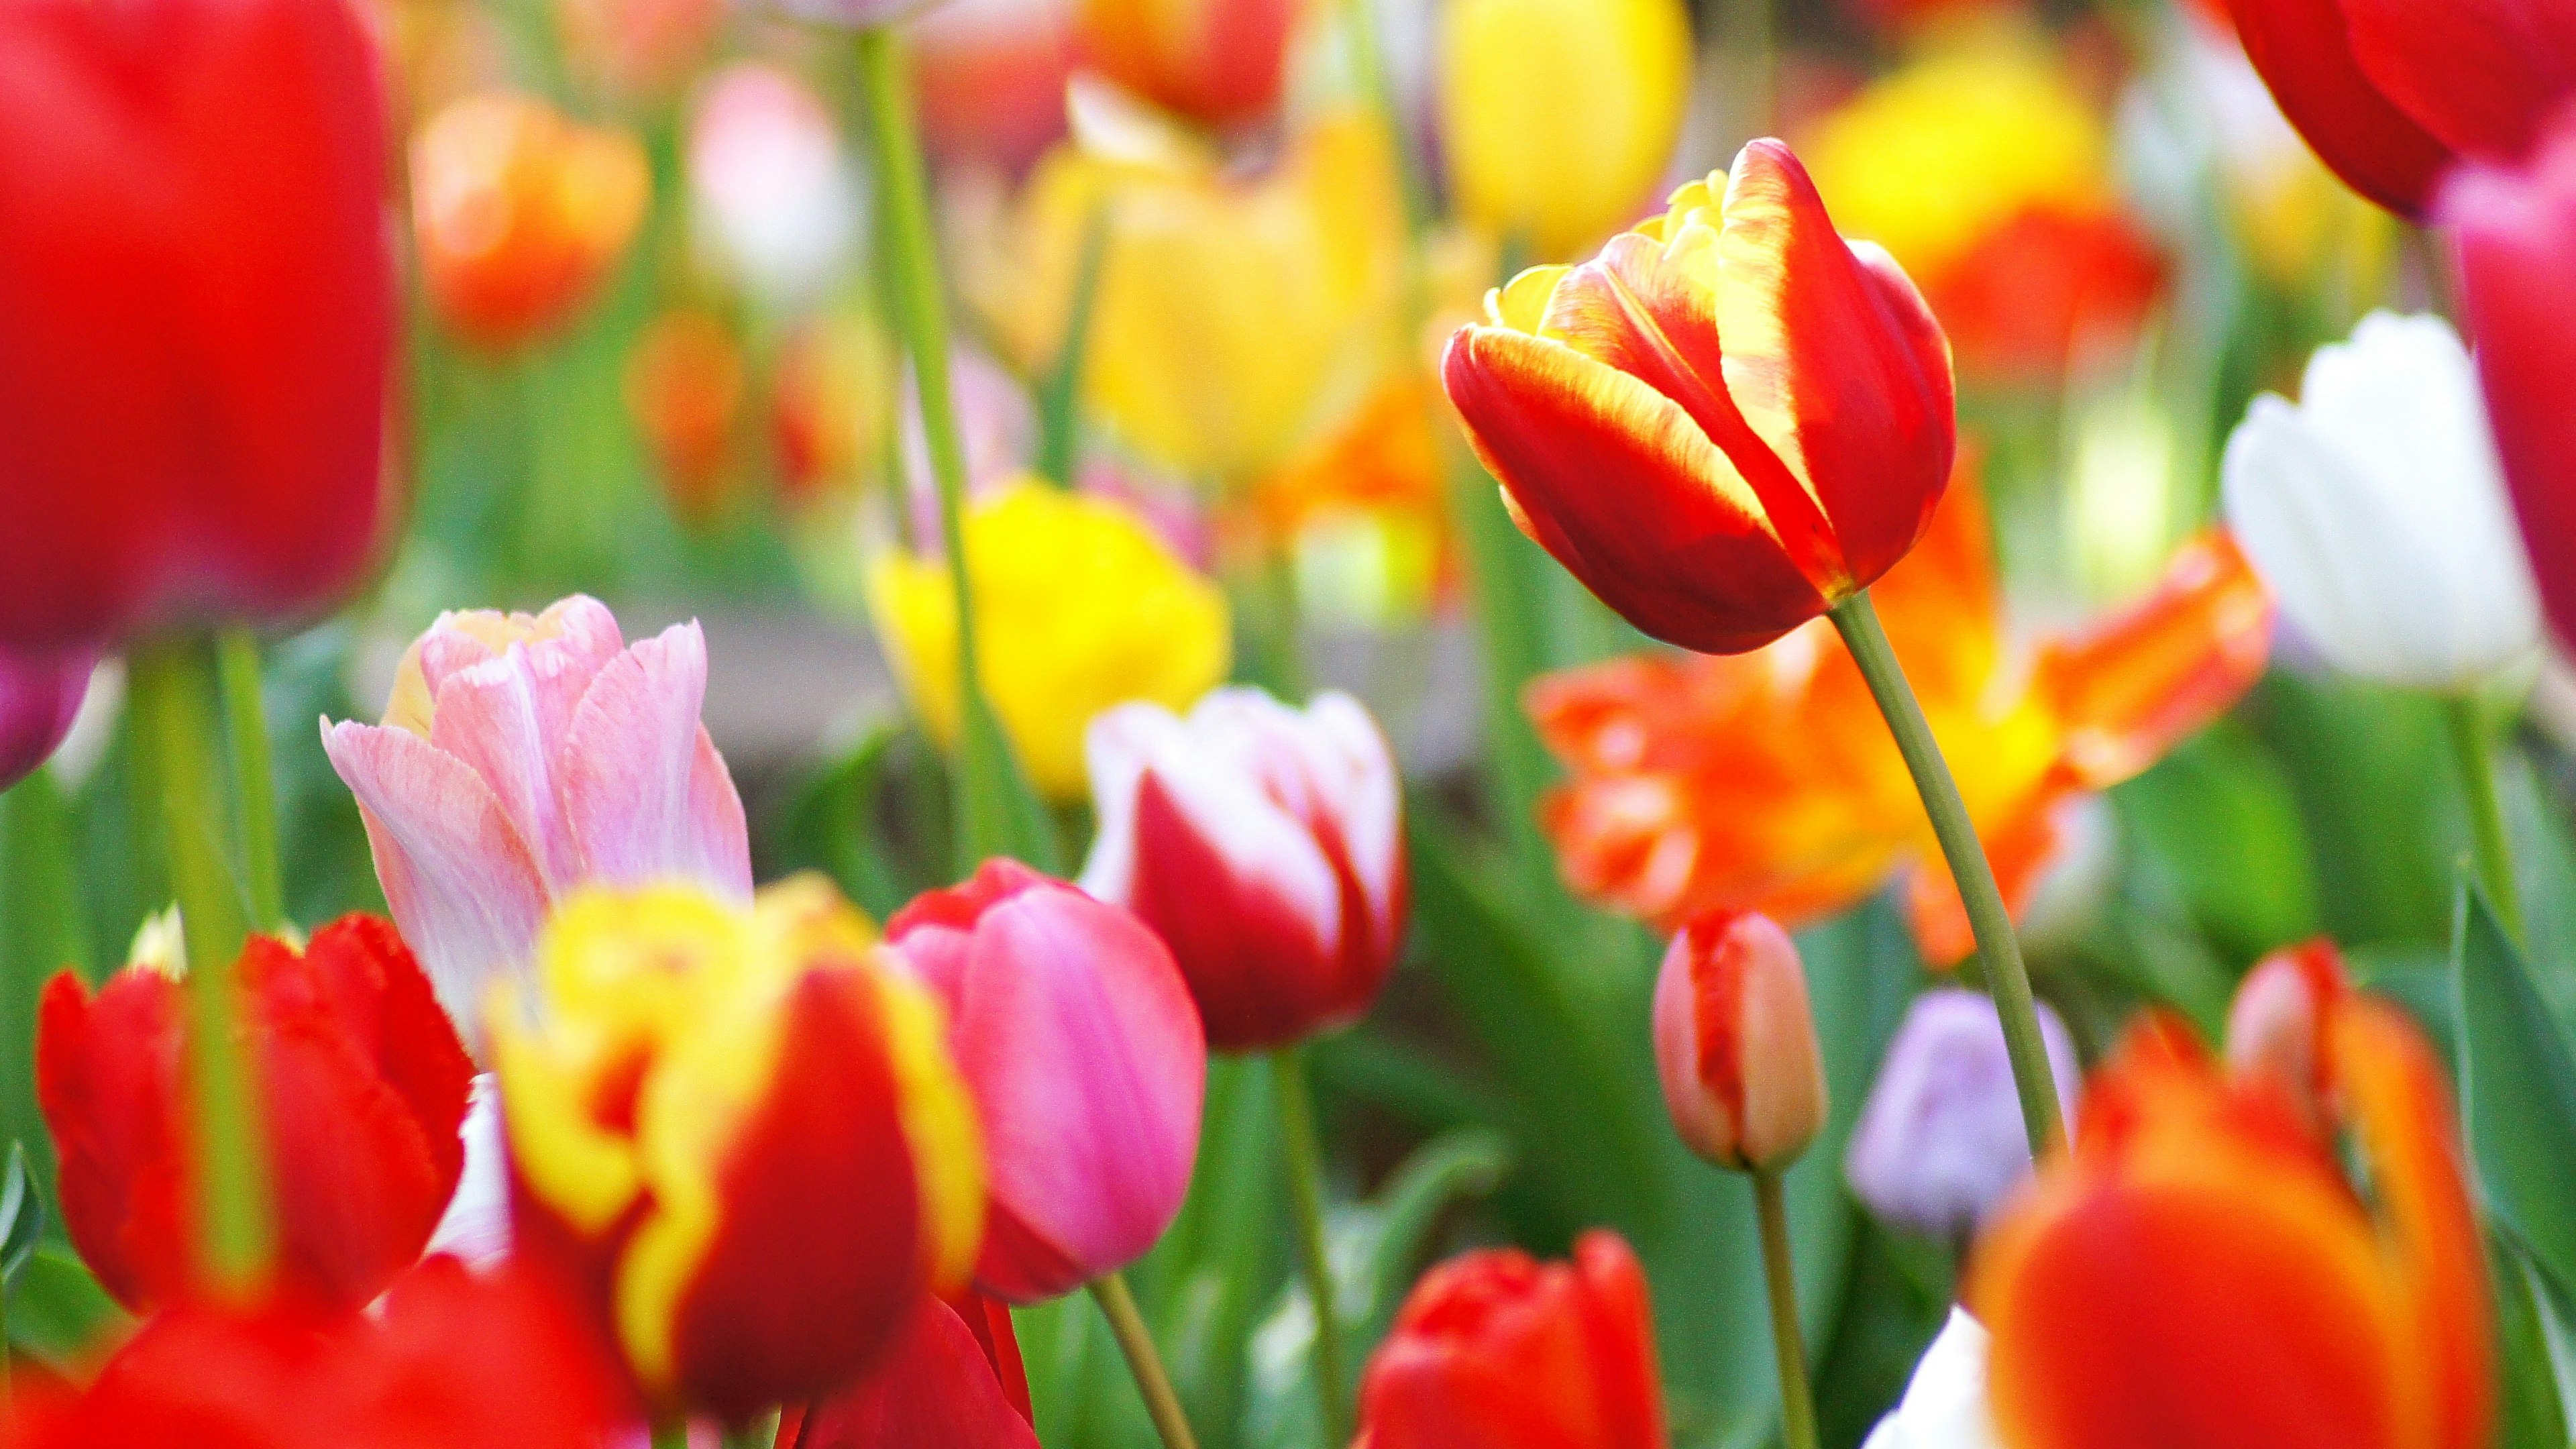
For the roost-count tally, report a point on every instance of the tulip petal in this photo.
(476, 1225)
(1363, 799)
(2303, 48)
(645, 796)
(2481, 75)
(463, 885)
(939, 1390)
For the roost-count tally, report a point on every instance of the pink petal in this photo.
(583, 638)
(1116, 748)
(644, 795)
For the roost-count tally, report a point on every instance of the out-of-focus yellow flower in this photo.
(1078, 606)
(1559, 116)
(1234, 314)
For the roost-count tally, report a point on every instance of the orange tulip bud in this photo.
(519, 213)
(1736, 1045)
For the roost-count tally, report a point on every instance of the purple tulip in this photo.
(1940, 1139)
(39, 694)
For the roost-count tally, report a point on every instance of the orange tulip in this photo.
(1766, 782)
(684, 388)
(520, 213)
(2198, 1270)
(1221, 62)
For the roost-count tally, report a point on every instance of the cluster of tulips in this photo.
(595, 1138)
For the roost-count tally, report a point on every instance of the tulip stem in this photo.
(2476, 758)
(1797, 1398)
(1144, 1361)
(671, 1434)
(171, 685)
(254, 783)
(1998, 950)
(1306, 1199)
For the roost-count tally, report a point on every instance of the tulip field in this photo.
(1287, 724)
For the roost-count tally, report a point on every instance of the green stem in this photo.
(1143, 1360)
(2475, 756)
(254, 782)
(1997, 948)
(671, 1434)
(1797, 1399)
(1306, 1198)
(171, 687)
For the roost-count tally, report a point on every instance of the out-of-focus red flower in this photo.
(2262, 1302)
(829, 408)
(2515, 232)
(2031, 295)
(1495, 1350)
(1718, 492)
(195, 353)
(1078, 1038)
(39, 695)
(991, 76)
(362, 1086)
(684, 388)
(1735, 1042)
(519, 214)
(1764, 781)
(1220, 62)
(451, 1360)
(2279, 1020)
(954, 1382)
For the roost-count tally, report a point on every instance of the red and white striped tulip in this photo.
(1735, 1043)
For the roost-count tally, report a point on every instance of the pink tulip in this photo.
(1078, 1039)
(522, 757)
(1266, 845)
(39, 694)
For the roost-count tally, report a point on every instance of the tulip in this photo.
(1735, 1044)
(1078, 1039)
(769, 188)
(1715, 497)
(2376, 511)
(1939, 1143)
(2514, 232)
(991, 76)
(1559, 116)
(39, 695)
(1945, 1402)
(2263, 1300)
(684, 390)
(455, 1359)
(636, 50)
(362, 1084)
(1079, 607)
(1495, 1351)
(476, 1225)
(955, 1382)
(522, 757)
(2278, 1022)
(195, 355)
(520, 214)
(831, 396)
(1221, 62)
(736, 1133)
(2304, 50)
(1266, 845)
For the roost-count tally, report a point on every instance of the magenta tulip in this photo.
(523, 757)
(39, 694)
(1266, 844)
(1077, 1036)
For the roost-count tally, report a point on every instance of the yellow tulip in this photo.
(1559, 116)
(1078, 607)
(1234, 315)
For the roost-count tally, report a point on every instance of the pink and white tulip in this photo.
(1077, 1037)
(1266, 844)
(522, 757)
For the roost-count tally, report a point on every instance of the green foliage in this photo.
(2517, 1094)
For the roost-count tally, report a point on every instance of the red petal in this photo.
(2482, 76)
(2304, 50)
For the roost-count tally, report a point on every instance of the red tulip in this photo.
(1497, 1351)
(955, 1382)
(1266, 844)
(452, 1360)
(1729, 422)
(1077, 1037)
(1222, 62)
(1735, 1043)
(362, 1087)
(2515, 231)
(2304, 51)
(196, 313)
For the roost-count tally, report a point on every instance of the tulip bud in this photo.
(738, 1134)
(2376, 510)
(1945, 1402)
(769, 189)
(1940, 1142)
(198, 292)
(1266, 845)
(1493, 1350)
(39, 695)
(1559, 116)
(2277, 1024)
(955, 1380)
(362, 1087)
(521, 757)
(1221, 62)
(1735, 1044)
(1088, 1066)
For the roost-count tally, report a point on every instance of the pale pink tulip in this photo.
(1735, 1044)
(522, 757)
(1266, 844)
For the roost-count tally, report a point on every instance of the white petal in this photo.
(476, 1225)
(1945, 1406)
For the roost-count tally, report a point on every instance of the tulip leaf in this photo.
(2517, 1093)
(1509, 576)
(2530, 1412)
(829, 823)
(2369, 768)
(41, 932)
(22, 1215)
(998, 813)
(2219, 818)
(1059, 390)
(58, 1315)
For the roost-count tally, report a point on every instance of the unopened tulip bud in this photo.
(1940, 1142)
(39, 694)
(2277, 1023)
(1736, 1045)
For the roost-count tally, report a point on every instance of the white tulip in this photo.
(1945, 1405)
(2376, 510)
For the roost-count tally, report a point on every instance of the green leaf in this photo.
(22, 1215)
(998, 812)
(2530, 1414)
(2218, 816)
(58, 1315)
(1059, 392)
(2517, 1093)
(41, 932)
(2370, 769)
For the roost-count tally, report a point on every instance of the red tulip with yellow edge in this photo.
(2201, 1269)
(1728, 423)
(1764, 782)
(737, 1133)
